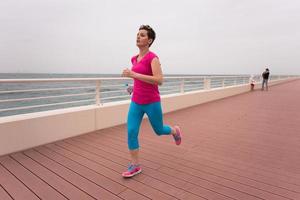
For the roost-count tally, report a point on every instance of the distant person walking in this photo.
(147, 75)
(265, 76)
(252, 82)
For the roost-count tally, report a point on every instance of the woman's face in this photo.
(142, 39)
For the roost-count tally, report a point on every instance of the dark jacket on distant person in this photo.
(265, 74)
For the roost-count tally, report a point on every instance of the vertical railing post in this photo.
(223, 82)
(206, 83)
(97, 97)
(182, 86)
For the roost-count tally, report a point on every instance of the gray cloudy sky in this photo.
(193, 36)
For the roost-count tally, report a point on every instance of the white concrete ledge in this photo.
(29, 130)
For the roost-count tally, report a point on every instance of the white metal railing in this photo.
(19, 96)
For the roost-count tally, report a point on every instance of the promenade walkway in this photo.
(242, 147)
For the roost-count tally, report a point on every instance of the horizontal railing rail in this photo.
(18, 96)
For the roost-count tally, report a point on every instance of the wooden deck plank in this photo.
(201, 189)
(168, 164)
(99, 179)
(131, 195)
(75, 179)
(115, 164)
(13, 186)
(3, 194)
(181, 185)
(273, 188)
(220, 173)
(39, 187)
(205, 162)
(114, 143)
(108, 147)
(93, 176)
(61, 185)
(96, 164)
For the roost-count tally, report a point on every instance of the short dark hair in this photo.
(150, 32)
(267, 69)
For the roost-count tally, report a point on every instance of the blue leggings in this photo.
(134, 119)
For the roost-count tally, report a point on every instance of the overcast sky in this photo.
(193, 36)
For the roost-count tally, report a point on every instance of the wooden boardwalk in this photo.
(242, 147)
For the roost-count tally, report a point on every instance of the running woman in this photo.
(147, 74)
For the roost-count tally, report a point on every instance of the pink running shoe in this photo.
(132, 171)
(177, 136)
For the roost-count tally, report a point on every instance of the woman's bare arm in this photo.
(156, 79)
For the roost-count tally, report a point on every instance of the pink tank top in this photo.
(144, 93)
